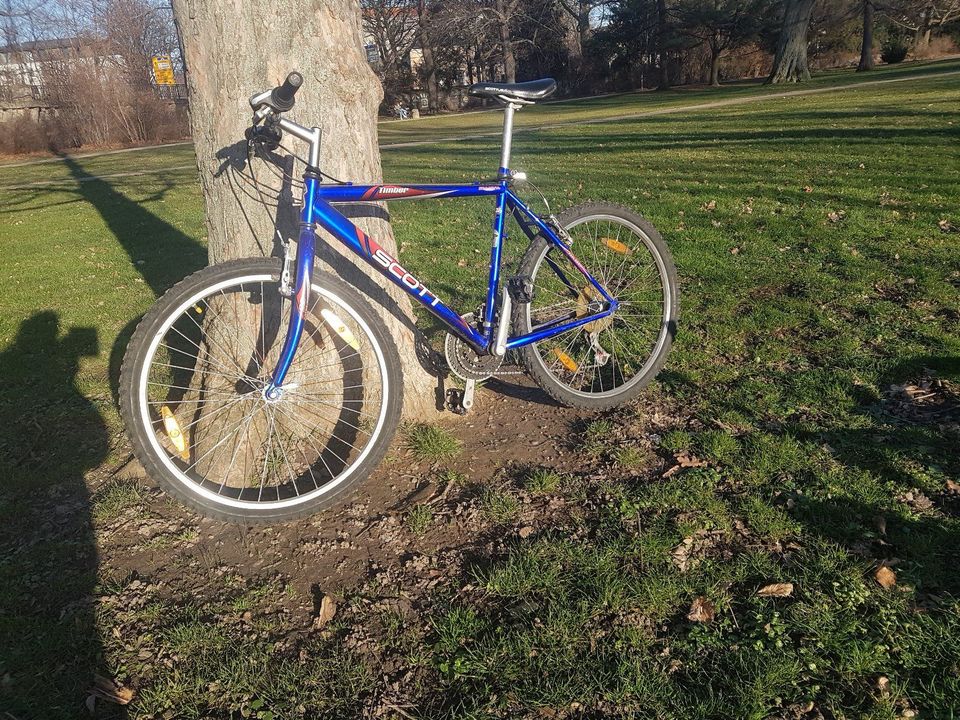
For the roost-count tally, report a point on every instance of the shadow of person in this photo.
(50, 436)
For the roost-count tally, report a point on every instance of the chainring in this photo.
(464, 362)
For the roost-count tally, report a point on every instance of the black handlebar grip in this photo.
(282, 97)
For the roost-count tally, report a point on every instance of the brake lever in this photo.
(264, 137)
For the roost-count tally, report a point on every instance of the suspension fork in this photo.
(301, 288)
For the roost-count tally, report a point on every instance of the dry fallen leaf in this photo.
(883, 685)
(106, 689)
(807, 189)
(953, 487)
(701, 610)
(776, 590)
(525, 532)
(836, 216)
(712, 205)
(685, 459)
(885, 577)
(328, 608)
(946, 226)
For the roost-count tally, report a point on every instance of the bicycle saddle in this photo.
(525, 91)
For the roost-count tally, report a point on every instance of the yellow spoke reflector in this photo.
(565, 360)
(174, 432)
(197, 309)
(340, 328)
(616, 246)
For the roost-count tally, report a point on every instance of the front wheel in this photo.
(608, 361)
(193, 401)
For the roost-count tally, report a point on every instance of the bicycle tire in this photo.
(550, 379)
(364, 351)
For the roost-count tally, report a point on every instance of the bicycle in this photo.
(245, 421)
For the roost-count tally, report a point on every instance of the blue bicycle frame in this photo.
(318, 211)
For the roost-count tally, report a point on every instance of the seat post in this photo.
(508, 111)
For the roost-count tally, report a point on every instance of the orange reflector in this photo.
(172, 427)
(616, 246)
(340, 328)
(565, 360)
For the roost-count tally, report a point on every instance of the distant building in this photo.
(30, 71)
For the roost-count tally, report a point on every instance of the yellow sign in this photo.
(163, 70)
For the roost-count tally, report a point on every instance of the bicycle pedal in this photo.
(454, 401)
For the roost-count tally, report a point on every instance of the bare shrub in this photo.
(749, 61)
(937, 47)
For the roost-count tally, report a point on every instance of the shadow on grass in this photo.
(52, 435)
(921, 535)
(161, 253)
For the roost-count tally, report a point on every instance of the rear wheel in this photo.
(608, 361)
(192, 395)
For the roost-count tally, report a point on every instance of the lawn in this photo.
(771, 531)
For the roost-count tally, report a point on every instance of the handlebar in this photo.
(283, 96)
(268, 107)
(280, 99)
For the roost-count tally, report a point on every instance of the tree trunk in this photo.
(921, 38)
(236, 49)
(574, 48)
(506, 42)
(663, 79)
(790, 62)
(429, 67)
(866, 46)
(714, 66)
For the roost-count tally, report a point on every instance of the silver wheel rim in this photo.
(192, 484)
(666, 314)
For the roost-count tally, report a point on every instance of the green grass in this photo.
(430, 442)
(596, 436)
(419, 519)
(115, 497)
(542, 480)
(779, 379)
(610, 106)
(498, 505)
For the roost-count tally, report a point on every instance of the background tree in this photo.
(575, 17)
(866, 45)
(392, 25)
(790, 61)
(664, 44)
(921, 17)
(720, 25)
(428, 68)
(323, 40)
(504, 14)
(629, 44)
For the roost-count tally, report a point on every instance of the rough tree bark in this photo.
(663, 71)
(866, 46)
(790, 62)
(236, 49)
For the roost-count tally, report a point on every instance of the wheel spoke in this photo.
(258, 452)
